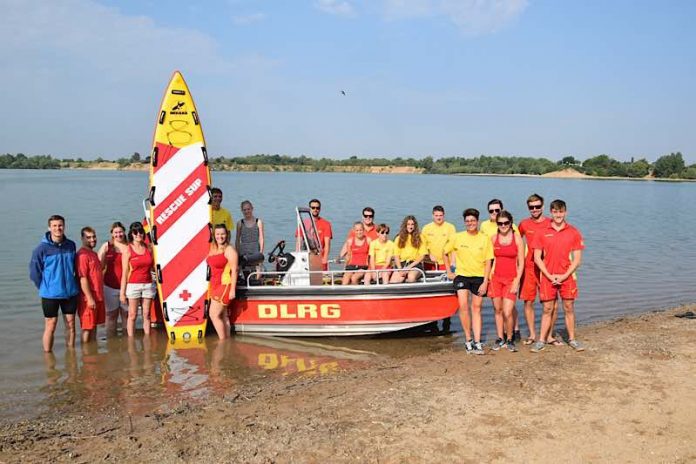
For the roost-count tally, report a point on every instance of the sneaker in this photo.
(511, 346)
(469, 346)
(576, 345)
(517, 336)
(499, 343)
(537, 347)
(478, 348)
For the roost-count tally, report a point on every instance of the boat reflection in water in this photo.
(142, 374)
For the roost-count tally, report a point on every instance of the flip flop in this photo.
(528, 341)
(555, 342)
(686, 315)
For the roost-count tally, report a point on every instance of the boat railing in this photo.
(333, 276)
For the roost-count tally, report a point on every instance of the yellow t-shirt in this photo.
(436, 238)
(491, 228)
(222, 216)
(472, 252)
(409, 252)
(379, 252)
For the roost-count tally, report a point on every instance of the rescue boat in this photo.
(298, 298)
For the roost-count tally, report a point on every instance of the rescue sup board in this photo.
(179, 213)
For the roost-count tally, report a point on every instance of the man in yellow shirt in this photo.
(490, 227)
(473, 251)
(436, 235)
(220, 215)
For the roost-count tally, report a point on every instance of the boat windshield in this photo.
(307, 231)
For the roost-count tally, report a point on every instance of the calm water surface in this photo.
(639, 256)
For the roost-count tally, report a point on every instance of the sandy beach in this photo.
(629, 398)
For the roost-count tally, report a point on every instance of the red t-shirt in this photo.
(88, 266)
(557, 246)
(528, 229)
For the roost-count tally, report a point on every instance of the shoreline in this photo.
(560, 174)
(628, 398)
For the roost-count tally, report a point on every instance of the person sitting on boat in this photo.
(380, 257)
(368, 222)
(409, 252)
(324, 232)
(222, 260)
(249, 241)
(355, 250)
(137, 287)
(220, 215)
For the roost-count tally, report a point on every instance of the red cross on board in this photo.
(185, 295)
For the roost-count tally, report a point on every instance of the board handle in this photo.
(205, 155)
(153, 157)
(151, 196)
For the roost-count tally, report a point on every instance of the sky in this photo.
(548, 78)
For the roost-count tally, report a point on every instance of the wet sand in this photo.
(629, 398)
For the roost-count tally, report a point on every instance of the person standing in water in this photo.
(52, 269)
(90, 305)
(222, 261)
(110, 256)
(137, 287)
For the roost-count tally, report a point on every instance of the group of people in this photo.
(487, 258)
(117, 280)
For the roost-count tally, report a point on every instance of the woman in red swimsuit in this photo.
(356, 249)
(508, 250)
(137, 287)
(222, 261)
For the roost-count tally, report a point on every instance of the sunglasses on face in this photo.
(368, 215)
(494, 210)
(533, 207)
(138, 232)
(315, 207)
(384, 232)
(503, 223)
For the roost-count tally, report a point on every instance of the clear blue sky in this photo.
(422, 77)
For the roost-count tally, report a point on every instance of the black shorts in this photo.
(417, 266)
(468, 283)
(50, 306)
(353, 267)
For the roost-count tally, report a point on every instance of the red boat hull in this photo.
(329, 312)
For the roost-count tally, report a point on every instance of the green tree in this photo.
(670, 165)
(136, 157)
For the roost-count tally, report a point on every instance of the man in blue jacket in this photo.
(52, 269)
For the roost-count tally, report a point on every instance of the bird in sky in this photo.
(343, 92)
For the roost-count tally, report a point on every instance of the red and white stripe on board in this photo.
(182, 214)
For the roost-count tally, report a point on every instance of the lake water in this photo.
(639, 256)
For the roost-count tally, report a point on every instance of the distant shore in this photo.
(629, 398)
(567, 173)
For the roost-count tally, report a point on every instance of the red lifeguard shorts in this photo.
(90, 318)
(221, 293)
(568, 289)
(500, 288)
(530, 284)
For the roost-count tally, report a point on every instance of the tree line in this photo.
(671, 166)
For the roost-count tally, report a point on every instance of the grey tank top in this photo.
(248, 238)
